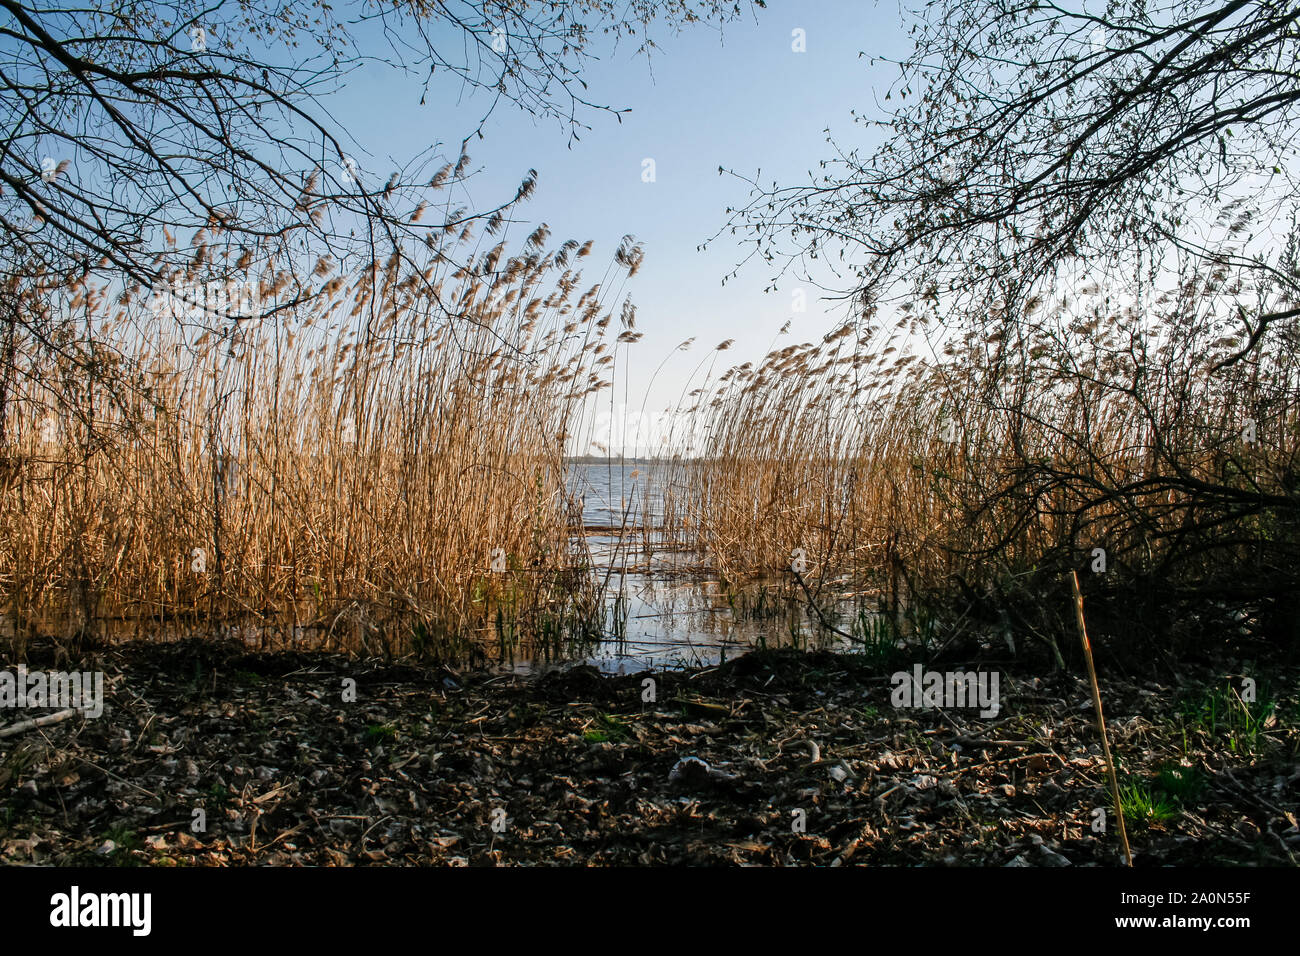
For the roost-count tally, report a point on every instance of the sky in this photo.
(740, 97)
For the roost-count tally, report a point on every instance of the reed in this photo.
(382, 466)
(908, 460)
(379, 466)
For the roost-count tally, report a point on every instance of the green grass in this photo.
(378, 733)
(1160, 798)
(607, 730)
(1222, 714)
(422, 640)
(218, 797)
(1145, 805)
(879, 638)
(12, 817)
(757, 604)
(618, 617)
(1180, 783)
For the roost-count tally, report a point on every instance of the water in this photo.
(674, 612)
(608, 491)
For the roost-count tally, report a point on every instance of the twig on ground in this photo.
(44, 721)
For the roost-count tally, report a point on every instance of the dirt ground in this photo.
(206, 755)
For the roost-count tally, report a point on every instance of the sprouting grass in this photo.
(380, 733)
(618, 614)
(1224, 715)
(1182, 783)
(1160, 798)
(762, 603)
(1144, 805)
(607, 729)
(881, 642)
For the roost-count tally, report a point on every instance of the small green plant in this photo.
(11, 817)
(421, 640)
(123, 836)
(879, 637)
(125, 841)
(1145, 805)
(1221, 712)
(756, 604)
(1161, 797)
(218, 796)
(607, 730)
(1181, 783)
(796, 636)
(378, 733)
(618, 617)
(925, 626)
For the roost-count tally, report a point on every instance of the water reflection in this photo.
(666, 610)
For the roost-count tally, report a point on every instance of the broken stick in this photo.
(25, 725)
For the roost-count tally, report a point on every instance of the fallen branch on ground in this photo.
(25, 725)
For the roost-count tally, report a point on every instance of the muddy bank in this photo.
(207, 755)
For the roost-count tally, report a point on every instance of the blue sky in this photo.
(740, 98)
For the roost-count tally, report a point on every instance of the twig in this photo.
(108, 773)
(1101, 721)
(25, 725)
(812, 603)
(287, 833)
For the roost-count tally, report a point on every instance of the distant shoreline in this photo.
(614, 460)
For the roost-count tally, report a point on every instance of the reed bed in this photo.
(908, 461)
(381, 466)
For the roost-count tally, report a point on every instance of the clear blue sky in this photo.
(740, 99)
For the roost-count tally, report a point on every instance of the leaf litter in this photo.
(775, 758)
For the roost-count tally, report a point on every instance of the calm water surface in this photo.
(674, 616)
